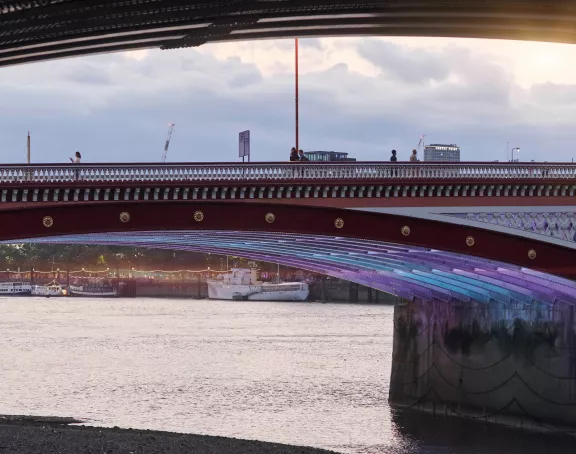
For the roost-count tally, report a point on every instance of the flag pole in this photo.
(296, 91)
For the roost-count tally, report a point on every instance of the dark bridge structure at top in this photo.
(37, 30)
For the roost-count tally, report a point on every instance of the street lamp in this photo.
(513, 150)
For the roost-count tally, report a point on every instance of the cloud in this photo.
(554, 95)
(361, 96)
(312, 43)
(415, 66)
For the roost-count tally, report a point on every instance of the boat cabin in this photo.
(240, 276)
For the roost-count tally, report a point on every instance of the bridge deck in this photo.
(343, 185)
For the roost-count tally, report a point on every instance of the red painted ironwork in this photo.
(35, 221)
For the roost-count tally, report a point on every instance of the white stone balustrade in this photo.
(361, 171)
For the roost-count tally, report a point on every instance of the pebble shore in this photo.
(37, 435)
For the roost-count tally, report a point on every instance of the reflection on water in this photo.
(421, 433)
(298, 373)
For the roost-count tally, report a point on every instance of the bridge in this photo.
(482, 254)
(519, 214)
(36, 30)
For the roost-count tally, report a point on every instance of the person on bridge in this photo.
(414, 156)
(77, 158)
(393, 158)
(302, 156)
(294, 154)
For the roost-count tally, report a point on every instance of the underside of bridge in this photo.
(411, 273)
(35, 30)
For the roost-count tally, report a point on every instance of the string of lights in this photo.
(107, 270)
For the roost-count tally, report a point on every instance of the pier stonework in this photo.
(487, 362)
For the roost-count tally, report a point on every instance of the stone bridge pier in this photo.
(513, 364)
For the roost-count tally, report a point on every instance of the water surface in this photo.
(297, 373)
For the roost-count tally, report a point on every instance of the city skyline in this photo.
(362, 96)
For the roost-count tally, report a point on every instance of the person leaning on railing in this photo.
(299, 157)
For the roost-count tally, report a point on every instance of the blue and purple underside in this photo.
(408, 272)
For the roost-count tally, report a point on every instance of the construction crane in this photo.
(170, 129)
(420, 143)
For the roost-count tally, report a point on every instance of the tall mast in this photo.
(296, 88)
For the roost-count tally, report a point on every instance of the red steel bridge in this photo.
(522, 214)
(35, 30)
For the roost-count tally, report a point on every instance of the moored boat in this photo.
(15, 288)
(98, 289)
(243, 284)
(52, 289)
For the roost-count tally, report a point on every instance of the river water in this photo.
(297, 373)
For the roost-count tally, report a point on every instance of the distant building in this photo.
(441, 153)
(327, 156)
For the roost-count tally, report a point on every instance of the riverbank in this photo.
(324, 289)
(31, 435)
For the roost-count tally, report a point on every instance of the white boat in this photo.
(100, 291)
(15, 288)
(52, 289)
(243, 284)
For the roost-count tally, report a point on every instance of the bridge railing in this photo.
(150, 172)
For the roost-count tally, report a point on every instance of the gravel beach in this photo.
(28, 435)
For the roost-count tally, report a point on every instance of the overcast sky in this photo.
(360, 96)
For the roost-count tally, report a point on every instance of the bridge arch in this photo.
(50, 29)
(408, 257)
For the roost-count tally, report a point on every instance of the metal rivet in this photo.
(470, 241)
(198, 216)
(270, 218)
(124, 216)
(339, 223)
(531, 254)
(47, 221)
(405, 230)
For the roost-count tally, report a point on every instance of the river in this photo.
(297, 373)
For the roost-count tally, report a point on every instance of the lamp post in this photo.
(296, 73)
(513, 150)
